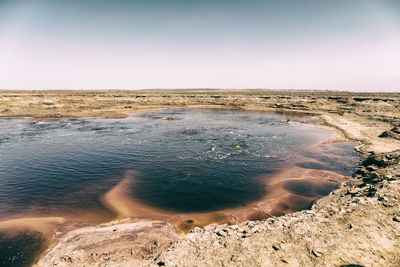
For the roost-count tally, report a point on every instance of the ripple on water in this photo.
(231, 149)
(199, 161)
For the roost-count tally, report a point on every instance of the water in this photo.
(185, 160)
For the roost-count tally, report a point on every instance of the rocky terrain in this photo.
(355, 225)
(133, 244)
(55, 104)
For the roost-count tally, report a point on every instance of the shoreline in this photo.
(350, 125)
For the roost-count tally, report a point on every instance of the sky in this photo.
(135, 44)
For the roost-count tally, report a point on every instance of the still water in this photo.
(185, 160)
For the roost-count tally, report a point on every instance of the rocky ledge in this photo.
(356, 225)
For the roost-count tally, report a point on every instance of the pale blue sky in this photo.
(310, 44)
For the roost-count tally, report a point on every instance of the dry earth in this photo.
(356, 225)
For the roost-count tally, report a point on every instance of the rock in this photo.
(353, 191)
(221, 233)
(382, 159)
(171, 119)
(275, 247)
(250, 224)
(392, 133)
(316, 253)
(396, 129)
(234, 227)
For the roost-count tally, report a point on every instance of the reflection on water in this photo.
(186, 161)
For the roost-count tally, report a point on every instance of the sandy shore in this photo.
(350, 226)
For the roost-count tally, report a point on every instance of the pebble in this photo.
(316, 253)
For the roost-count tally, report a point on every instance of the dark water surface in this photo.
(187, 160)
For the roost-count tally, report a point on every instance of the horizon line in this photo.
(204, 88)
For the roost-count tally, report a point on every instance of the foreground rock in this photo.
(357, 225)
(392, 133)
(129, 244)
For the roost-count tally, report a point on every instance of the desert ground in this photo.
(355, 225)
